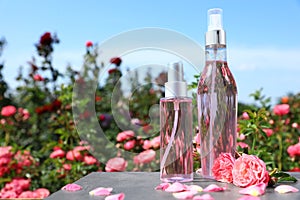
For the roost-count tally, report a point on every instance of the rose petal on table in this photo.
(254, 190)
(176, 187)
(184, 195)
(196, 188)
(285, 189)
(100, 191)
(162, 186)
(214, 188)
(203, 197)
(71, 187)
(119, 196)
(247, 197)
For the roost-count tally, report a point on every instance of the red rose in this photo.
(222, 168)
(46, 39)
(112, 71)
(116, 60)
(8, 111)
(249, 170)
(281, 109)
(116, 165)
(89, 44)
(102, 117)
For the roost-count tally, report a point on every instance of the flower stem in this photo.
(279, 159)
(6, 138)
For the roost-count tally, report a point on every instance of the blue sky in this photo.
(262, 36)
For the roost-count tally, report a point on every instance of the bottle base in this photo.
(177, 178)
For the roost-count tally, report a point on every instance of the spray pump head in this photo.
(215, 34)
(176, 86)
(215, 19)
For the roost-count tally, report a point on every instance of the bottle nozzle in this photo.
(176, 86)
(215, 19)
(215, 34)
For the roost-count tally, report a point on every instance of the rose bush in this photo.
(40, 141)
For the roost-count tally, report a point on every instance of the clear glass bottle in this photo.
(216, 98)
(176, 132)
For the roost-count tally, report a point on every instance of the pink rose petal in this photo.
(214, 188)
(101, 191)
(285, 189)
(162, 186)
(176, 187)
(203, 197)
(196, 188)
(254, 190)
(185, 194)
(119, 196)
(71, 187)
(247, 197)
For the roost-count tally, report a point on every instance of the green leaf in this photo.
(287, 179)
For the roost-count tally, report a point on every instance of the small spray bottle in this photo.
(176, 133)
(216, 98)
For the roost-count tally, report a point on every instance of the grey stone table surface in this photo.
(140, 185)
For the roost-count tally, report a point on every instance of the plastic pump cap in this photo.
(215, 19)
(176, 86)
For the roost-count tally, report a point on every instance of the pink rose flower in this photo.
(67, 167)
(23, 159)
(144, 157)
(42, 192)
(281, 109)
(129, 145)
(249, 170)
(28, 194)
(294, 150)
(245, 116)
(8, 111)
(243, 145)
(268, 131)
(125, 135)
(116, 164)
(57, 154)
(74, 155)
(147, 144)
(222, 168)
(9, 195)
(155, 142)
(24, 113)
(89, 160)
(38, 77)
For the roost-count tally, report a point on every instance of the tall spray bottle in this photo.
(216, 98)
(176, 132)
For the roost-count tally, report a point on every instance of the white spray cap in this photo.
(176, 86)
(215, 19)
